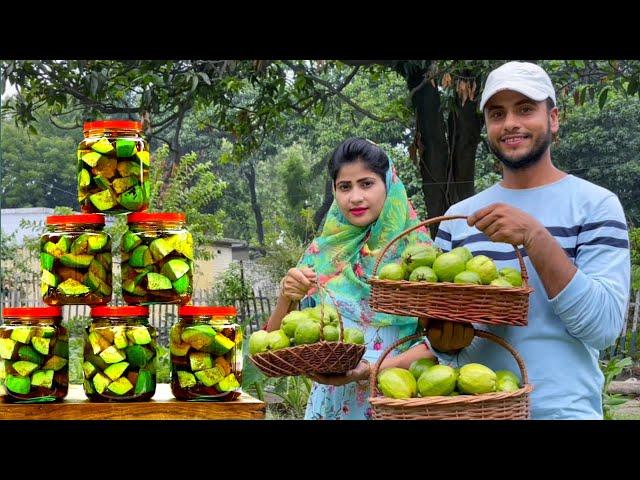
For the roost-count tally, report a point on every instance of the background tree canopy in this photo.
(259, 133)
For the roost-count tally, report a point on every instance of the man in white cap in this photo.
(573, 237)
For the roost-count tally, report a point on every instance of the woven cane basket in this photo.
(321, 357)
(488, 406)
(508, 306)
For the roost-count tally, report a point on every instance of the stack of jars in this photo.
(156, 260)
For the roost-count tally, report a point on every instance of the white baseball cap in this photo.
(526, 78)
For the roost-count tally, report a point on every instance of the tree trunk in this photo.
(465, 125)
(318, 217)
(174, 152)
(250, 175)
(431, 143)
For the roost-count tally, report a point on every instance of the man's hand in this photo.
(448, 337)
(297, 282)
(361, 372)
(504, 223)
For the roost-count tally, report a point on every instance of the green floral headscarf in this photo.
(343, 256)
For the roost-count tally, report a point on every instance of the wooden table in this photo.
(162, 406)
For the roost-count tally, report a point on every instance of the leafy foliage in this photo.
(193, 185)
(37, 170)
(611, 369)
(603, 146)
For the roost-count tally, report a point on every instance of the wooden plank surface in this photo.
(162, 406)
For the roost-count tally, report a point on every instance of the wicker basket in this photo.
(489, 406)
(322, 357)
(455, 302)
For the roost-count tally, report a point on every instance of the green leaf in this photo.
(633, 86)
(602, 98)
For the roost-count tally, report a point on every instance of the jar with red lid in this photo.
(113, 167)
(206, 354)
(34, 355)
(156, 259)
(119, 361)
(75, 260)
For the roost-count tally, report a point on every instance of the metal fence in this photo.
(253, 310)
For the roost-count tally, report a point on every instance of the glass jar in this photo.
(34, 355)
(75, 260)
(156, 259)
(113, 167)
(206, 354)
(119, 355)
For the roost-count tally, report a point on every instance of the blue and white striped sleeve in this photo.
(593, 304)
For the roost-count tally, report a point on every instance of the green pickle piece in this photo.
(116, 370)
(27, 352)
(120, 338)
(221, 345)
(146, 186)
(141, 257)
(160, 248)
(46, 261)
(130, 241)
(73, 287)
(121, 185)
(106, 168)
(80, 244)
(139, 335)
(102, 146)
(101, 182)
(24, 368)
(210, 376)
(121, 386)
(125, 148)
(143, 156)
(42, 378)
(22, 334)
(182, 284)
(200, 361)
(98, 270)
(156, 281)
(228, 383)
(88, 369)
(198, 336)
(17, 384)
(145, 383)
(100, 382)
(138, 355)
(41, 344)
(55, 363)
(49, 278)
(97, 242)
(182, 243)
(112, 355)
(132, 199)
(80, 260)
(61, 349)
(84, 178)
(103, 200)
(186, 379)
(174, 269)
(128, 169)
(46, 332)
(7, 347)
(91, 158)
(129, 286)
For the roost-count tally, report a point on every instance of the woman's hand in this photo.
(360, 373)
(297, 282)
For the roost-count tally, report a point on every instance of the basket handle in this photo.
(373, 377)
(425, 223)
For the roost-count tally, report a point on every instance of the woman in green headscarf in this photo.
(370, 208)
